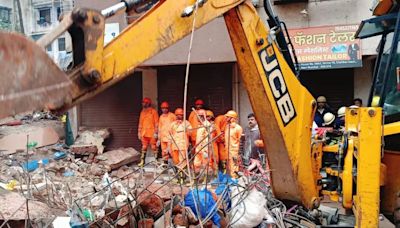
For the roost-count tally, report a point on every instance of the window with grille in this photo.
(5, 14)
(61, 44)
(44, 17)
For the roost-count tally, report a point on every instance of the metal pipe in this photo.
(113, 10)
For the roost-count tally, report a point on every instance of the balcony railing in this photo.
(43, 26)
(43, 2)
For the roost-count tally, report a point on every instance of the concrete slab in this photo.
(13, 139)
(117, 158)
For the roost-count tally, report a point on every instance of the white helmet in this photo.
(341, 111)
(328, 118)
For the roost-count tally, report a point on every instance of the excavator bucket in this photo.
(29, 79)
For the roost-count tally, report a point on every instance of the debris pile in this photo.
(47, 182)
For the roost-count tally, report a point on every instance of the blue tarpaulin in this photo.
(223, 181)
(205, 204)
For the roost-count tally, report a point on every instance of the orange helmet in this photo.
(146, 100)
(232, 114)
(199, 102)
(164, 105)
(179, 111)
(209, 113)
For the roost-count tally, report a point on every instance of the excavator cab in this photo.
(385, 90)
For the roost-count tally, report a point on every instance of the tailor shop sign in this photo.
(327, 47)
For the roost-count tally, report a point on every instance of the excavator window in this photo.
(390, 89)
(385, 91)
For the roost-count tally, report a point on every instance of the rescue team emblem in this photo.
(277, 84)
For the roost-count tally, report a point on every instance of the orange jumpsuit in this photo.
(164, 125)
(204, 149)
(178, 142)
(220, 125)
(214, 152)
(194, 122)
(148, 124)
(233, 133)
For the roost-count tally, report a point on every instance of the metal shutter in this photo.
(117, 108)
(210, 82)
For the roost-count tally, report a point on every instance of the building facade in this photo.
(10, 15)
(35, 18)
(214, 74)
(43, 17)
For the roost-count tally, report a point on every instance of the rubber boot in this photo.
(142, 158)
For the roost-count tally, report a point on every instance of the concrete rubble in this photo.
(86, 184)
(44, 133)
(90, 142)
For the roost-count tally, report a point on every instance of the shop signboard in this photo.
(327, 47)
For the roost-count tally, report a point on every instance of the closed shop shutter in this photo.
(117, 108)
(210, 82)
(336, 85)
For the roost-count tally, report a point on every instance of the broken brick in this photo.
(180, 220)
(151, 204)
(84, 149)
(163, 191)
(146, 223)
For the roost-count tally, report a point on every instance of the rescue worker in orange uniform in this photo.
(233, 133)
(204, 148)
(214, 152)
(148, 127)
(164, 125)
(222, 155)
(198, 104)
(202, 138)
(178, 141)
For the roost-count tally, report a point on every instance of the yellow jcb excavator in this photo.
(284, 108)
